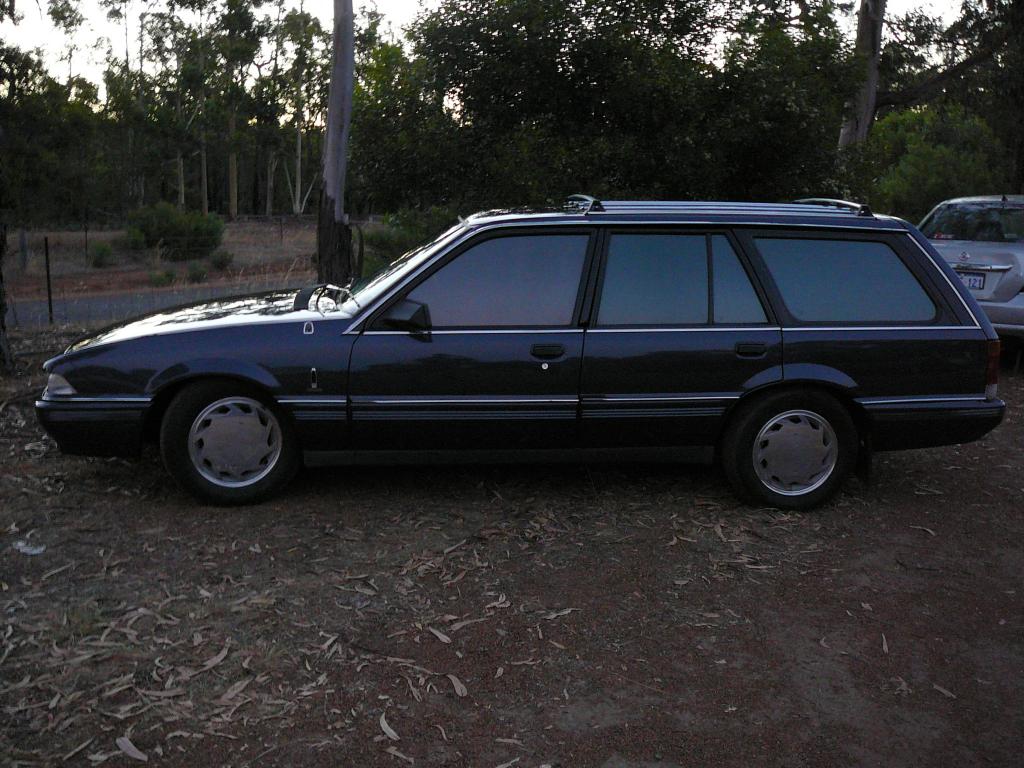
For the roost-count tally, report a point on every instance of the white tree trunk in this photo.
(297, 190)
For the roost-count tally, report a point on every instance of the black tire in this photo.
(738, 446)
(176, 427)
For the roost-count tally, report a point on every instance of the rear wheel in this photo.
(227, 444)
(790, 449)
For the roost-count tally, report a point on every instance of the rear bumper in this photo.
(902, 424)
(1007, 317)
(99, 427)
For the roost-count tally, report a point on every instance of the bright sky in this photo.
(98, 34)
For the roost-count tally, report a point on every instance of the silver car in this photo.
(982, 238)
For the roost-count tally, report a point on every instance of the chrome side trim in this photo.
(944, 277)
(477, 331)
(690, 329)
(299, 400)
(880, 328)
(466, 401)
(72, 400)
(899, 400)
(655, 398)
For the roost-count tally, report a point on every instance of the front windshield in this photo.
(365, 290)
(987, 222)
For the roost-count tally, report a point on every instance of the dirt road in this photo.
(524, 616)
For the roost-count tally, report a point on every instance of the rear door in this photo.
(499, 367)
(677, 332)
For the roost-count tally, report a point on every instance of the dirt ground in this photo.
(514, 616)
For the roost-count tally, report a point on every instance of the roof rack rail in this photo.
(861, 209)
(584, 204)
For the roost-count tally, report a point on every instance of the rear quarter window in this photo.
(844, 281)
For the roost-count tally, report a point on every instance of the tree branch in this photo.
(932, 85)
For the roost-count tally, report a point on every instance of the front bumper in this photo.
(926, 423)
(94, 426)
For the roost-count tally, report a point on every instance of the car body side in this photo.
(342, 382)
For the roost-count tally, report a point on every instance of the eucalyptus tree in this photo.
(333, 234)
(238, 35)
(305, 94)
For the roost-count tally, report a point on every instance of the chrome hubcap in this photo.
(795, 452)
(235, 442)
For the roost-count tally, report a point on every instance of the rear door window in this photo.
(668, 280)
(655, 280)
(844, 281)
(735, 300)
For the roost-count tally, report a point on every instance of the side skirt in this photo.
(685, 455)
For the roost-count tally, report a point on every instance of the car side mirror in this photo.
(407, 315)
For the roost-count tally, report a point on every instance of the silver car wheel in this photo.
(234, 442)
(795, 453)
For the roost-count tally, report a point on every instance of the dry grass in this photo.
(253, 244)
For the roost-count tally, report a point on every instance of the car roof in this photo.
(826, 213)
(1018, 199)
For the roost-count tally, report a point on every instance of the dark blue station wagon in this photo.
(787, 341)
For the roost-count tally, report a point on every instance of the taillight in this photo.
(992, 369)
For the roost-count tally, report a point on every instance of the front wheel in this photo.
(226, 444)
(791, 449)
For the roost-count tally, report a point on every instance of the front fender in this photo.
(211, 367)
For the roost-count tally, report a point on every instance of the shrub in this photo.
(134, 239)
(221, 260)
(100, 255)
(161, 279)
(196, 272)
(182, 235)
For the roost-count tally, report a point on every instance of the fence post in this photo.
(49, 288)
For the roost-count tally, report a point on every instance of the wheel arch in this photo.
(835, 389)
(163, 396)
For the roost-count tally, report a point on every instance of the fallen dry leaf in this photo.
(460, 689)
(440, 635)
(234, 690)
(126, 746)
(558, 614)
(388, 730)
(399, 755)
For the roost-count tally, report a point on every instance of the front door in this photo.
(498, 367)
(678, 333)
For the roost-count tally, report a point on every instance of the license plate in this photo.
(973, 280)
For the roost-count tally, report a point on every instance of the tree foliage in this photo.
(484, 103)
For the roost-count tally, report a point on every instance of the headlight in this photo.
(57, 385)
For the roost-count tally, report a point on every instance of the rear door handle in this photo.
(747, 349)
(547, 351)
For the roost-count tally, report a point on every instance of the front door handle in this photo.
(547, 351)
(747, 349)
